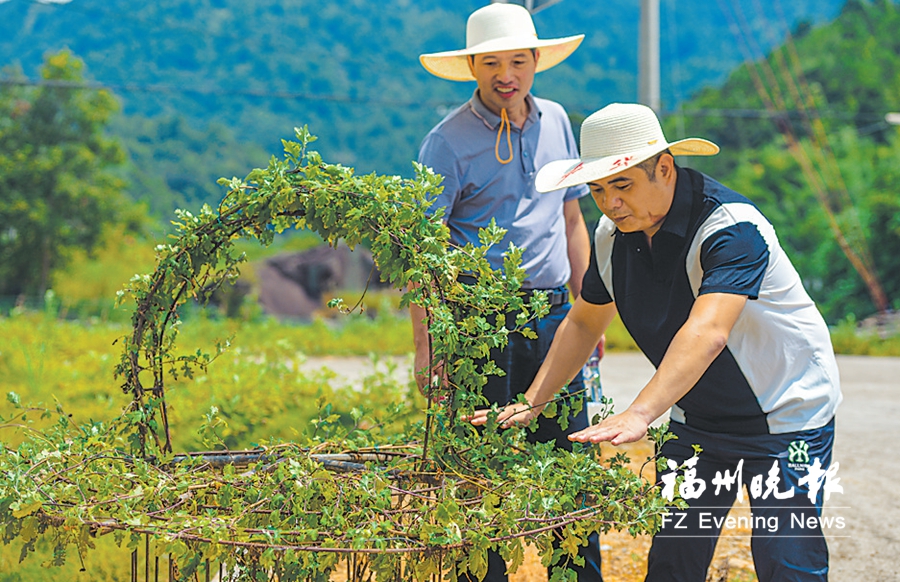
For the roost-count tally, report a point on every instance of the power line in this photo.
(744, 113)
(221, 91)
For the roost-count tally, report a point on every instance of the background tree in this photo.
(57, 188)
(803, 134)
(174, 164)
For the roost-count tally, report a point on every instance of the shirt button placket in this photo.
(527, 161)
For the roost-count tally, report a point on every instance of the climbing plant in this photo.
(423, 505)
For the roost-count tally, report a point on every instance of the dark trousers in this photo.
(521, 360)
(787, 543)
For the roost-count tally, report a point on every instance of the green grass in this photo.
(847, 339)
(256, 387)
(256, 384)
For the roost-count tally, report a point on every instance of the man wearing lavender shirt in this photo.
(489, 151)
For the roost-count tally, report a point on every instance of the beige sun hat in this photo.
(495, 28)
(618, 137)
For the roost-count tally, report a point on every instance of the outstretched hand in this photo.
(512, 415)
(618, 429)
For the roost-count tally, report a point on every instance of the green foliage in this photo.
(428, 499)
(43, 359)
(848, 338)
(351, 66)
(844, 73)
(772, 179)
(56, 189)
(174, 165)
(826, 159)
(87, 286)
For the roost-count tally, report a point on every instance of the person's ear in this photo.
(470, 59)
(666, 167)
(537, 56)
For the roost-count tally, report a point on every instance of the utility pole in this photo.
(533, 6)
(648, 47)
(648, 53)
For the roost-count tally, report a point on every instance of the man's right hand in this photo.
(512, 415)
(423, 370)
(422, 344)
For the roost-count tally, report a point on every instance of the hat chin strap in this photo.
(504, 120)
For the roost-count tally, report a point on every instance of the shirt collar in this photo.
(492, 121)
(678, 218)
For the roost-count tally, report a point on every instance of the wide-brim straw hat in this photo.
(496, 28)
(618, 137)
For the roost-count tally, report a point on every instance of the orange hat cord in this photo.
(504, 120)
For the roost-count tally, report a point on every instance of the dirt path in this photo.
(868, 545)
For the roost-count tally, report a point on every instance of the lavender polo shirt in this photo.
(478, 188)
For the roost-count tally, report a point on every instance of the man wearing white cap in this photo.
(488, 152)
(743, 358)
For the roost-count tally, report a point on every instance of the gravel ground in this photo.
(868, 546)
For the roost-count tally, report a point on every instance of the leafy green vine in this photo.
(427, 504)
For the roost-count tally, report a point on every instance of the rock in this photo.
(292, 285)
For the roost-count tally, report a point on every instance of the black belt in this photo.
(555, 297)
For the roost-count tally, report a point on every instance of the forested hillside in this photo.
(218, 75)
(795, 95)
(803, 133)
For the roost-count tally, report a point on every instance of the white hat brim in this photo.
(566, 173)
(454, 65)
